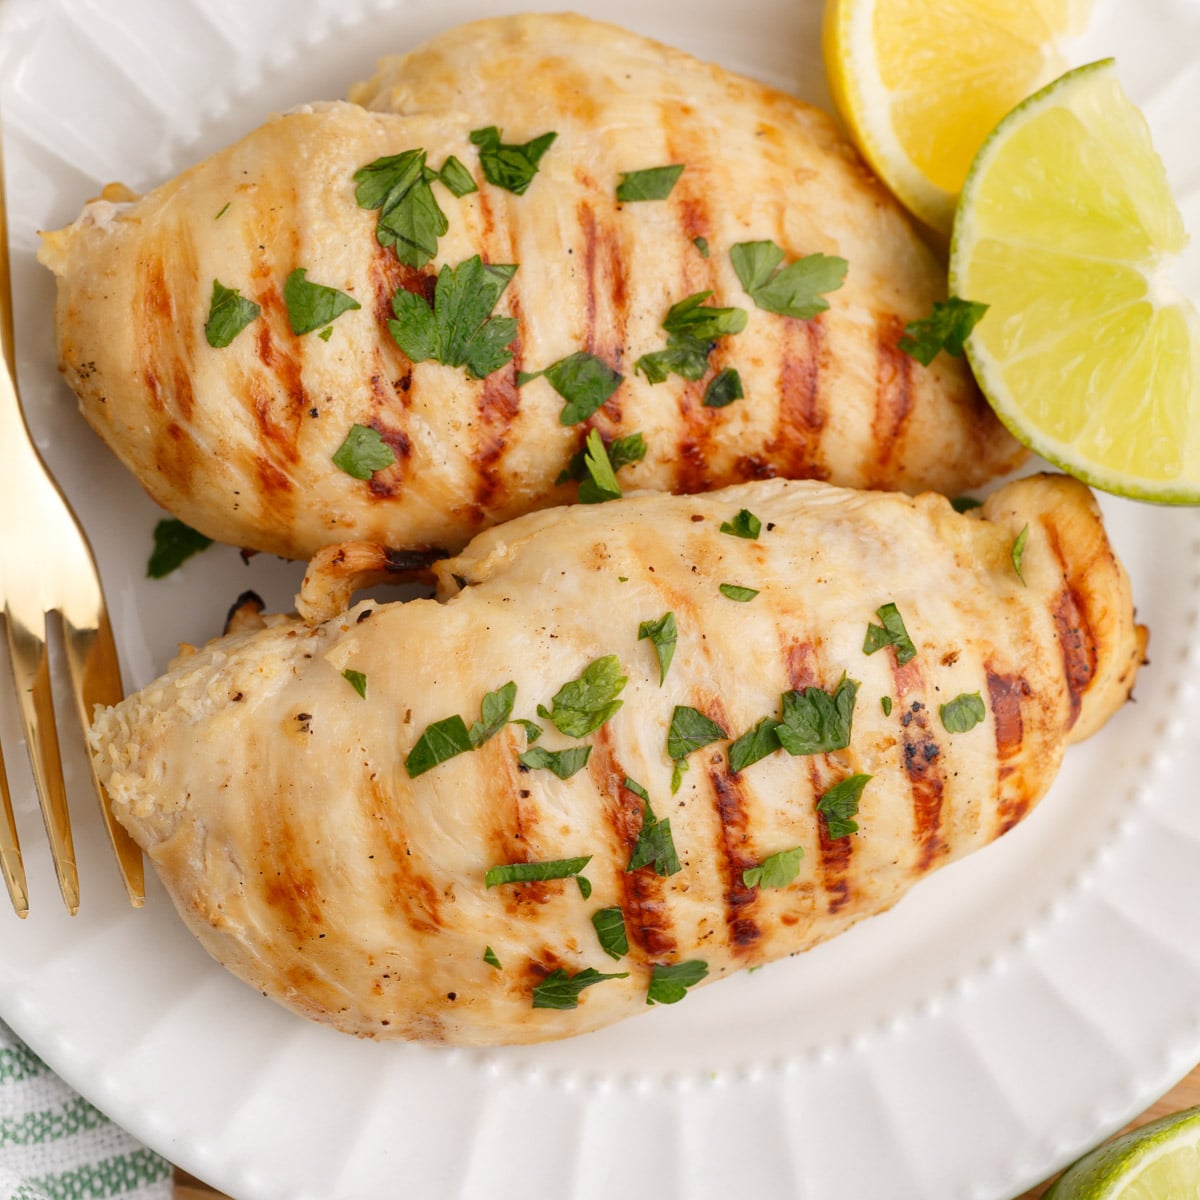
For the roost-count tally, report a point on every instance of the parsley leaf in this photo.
(701, 244)
(535, 872)
(495, 710)
(885, 702)
(563, 763)
(723, 389)
(792, 291)
(946, 328)
(363, 453)
(816, 722)
(581, 706)
(509, 166)
(840, 804)
(533, 730)
(690, 730)
(410, 218)
(459, 329)
(229, 312)
(357, 680)
(744, 525)
(734, 591)
(654, 846)
(669, 984)
(561, 991)
(776, 870)
(489, 957)
(891, 633)
(312, 305)
(754, 744)
(636, 788)
(1018, 552)
(663, 636)
(583, 380)
(442, 740)
(962, 504)
(457, 178)
(621, 452)
(655, 183)
(683, 357)
(609, 924)
(677, 773)
(174, 544)
(692, 327)
(962, 713)
(601, 484)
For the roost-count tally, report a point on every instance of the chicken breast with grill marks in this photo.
(238, 441)
(279, 799)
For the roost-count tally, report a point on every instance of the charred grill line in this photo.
(1006, 693)
(922, 756)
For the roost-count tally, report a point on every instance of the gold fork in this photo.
(46, 566)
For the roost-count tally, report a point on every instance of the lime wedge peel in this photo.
(1065, 228)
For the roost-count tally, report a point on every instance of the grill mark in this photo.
(801, 418)
(1005, 694)
(893, 398)
(388, 404)
(801, 660)
(836, 853)
(1075, 637)
(412, 892)
(922, 756)
(499, 403)
(514, 822)
(388, 275)
(587, 224)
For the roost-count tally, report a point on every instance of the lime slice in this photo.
(1064, 228)
(1160, 1161)
(921, 83)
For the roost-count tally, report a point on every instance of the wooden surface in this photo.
(1186, 1094)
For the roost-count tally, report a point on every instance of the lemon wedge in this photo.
(921, 83)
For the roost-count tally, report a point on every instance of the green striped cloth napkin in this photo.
(55, 1146)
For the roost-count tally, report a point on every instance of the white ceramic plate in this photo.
(1009, 1012)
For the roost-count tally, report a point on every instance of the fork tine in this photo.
(11, 865)
(96, 679)
(31, 671)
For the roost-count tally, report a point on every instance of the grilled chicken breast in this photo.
(274, 776)
(238, 441)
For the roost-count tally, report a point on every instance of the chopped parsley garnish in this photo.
(690, 730)
(663, 636)
(678, 770)
(581, 706)
(459, 330)
(962, 504)
(582, 379)
(636, 788)
(964, 712)
(174, 544)
(442, 740)
(609, 924)
(701, 244)
(601, 483)
(489, 957)
(692, 328)
(885, 702)
(326, 333)
(533, 730)
(621, 452)
(229, 312)
(357, 680)
(776, 870)
(655, 183)
(223, 211)
(560, 990)
(495, 711)
(754, 744)
(312, 305)
(506, 165)
(1018, 552)
(535, 872)
(363, 453)
(817, 722)
(563, 763)
(796, 290)
(890, 633)
(723, 388)
(669, 984)
(585, 886)
(457, 178)
(735, 591)
(839, 805)
(744, 525)
(655, 847)
(946, 328)
(410, 218)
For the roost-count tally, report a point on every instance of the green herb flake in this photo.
(581, 706)
(690, 730)
(357, 680)
(678, 770)
(174, 544)
(744, 525)
(946, 328)
(796, 290)
(723, 389)
(755, 744)
(441, 741)
(229, 312)
(669, 984)
(885, 702)
(312, 305)
(636, 788)
(363, 453)
(410, 219)
(734, 591)
(839, 805)
(533, 730)
(962, 504)
(326, 333)
(585, 886)
(654, 183)
(601, 483)
(495, 711)
(535, 872)
(582, 379)
(663, 636)
(962, 713)
(1018, 552)
(609, 924)
(457, 178)
(655, 847)
(489, 957)
(817, 722)
(507, 165)
(561, 991)
(563, 763)
(459, 329)
(701, 244)
(776, 870)
(621, 452)
(223, 210)
(891, 633)
(692, 328)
